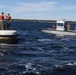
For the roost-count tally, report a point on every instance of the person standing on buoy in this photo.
(8, 19)
(1, 21)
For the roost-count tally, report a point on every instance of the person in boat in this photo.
(68, 27)
(8, 19)
(53, 27)
(1, 20)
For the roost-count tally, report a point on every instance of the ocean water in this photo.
(38, 53)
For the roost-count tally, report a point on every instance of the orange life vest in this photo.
(0, 17)
(8, 18)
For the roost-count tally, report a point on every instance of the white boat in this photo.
(60, 30)
(7, 34)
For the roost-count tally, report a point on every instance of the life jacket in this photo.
(0, 17)
(8, 18)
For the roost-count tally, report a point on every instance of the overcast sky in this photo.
(40, 9)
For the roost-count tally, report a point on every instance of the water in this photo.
(38, 53)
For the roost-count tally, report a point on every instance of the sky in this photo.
(40, 9)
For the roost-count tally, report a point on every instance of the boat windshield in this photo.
(60, 24)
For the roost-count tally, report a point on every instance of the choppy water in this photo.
(38, 53)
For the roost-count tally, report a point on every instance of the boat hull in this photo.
(8, 36)
(60, 33)
(8, 32)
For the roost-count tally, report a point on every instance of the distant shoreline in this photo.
(28, 20)
(47, 21)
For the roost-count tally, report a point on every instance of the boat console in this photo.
(60, 25)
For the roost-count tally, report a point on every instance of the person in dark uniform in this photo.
(68, 27)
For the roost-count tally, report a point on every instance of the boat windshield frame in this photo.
(60, 24)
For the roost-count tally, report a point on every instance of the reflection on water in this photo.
(11, 40)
